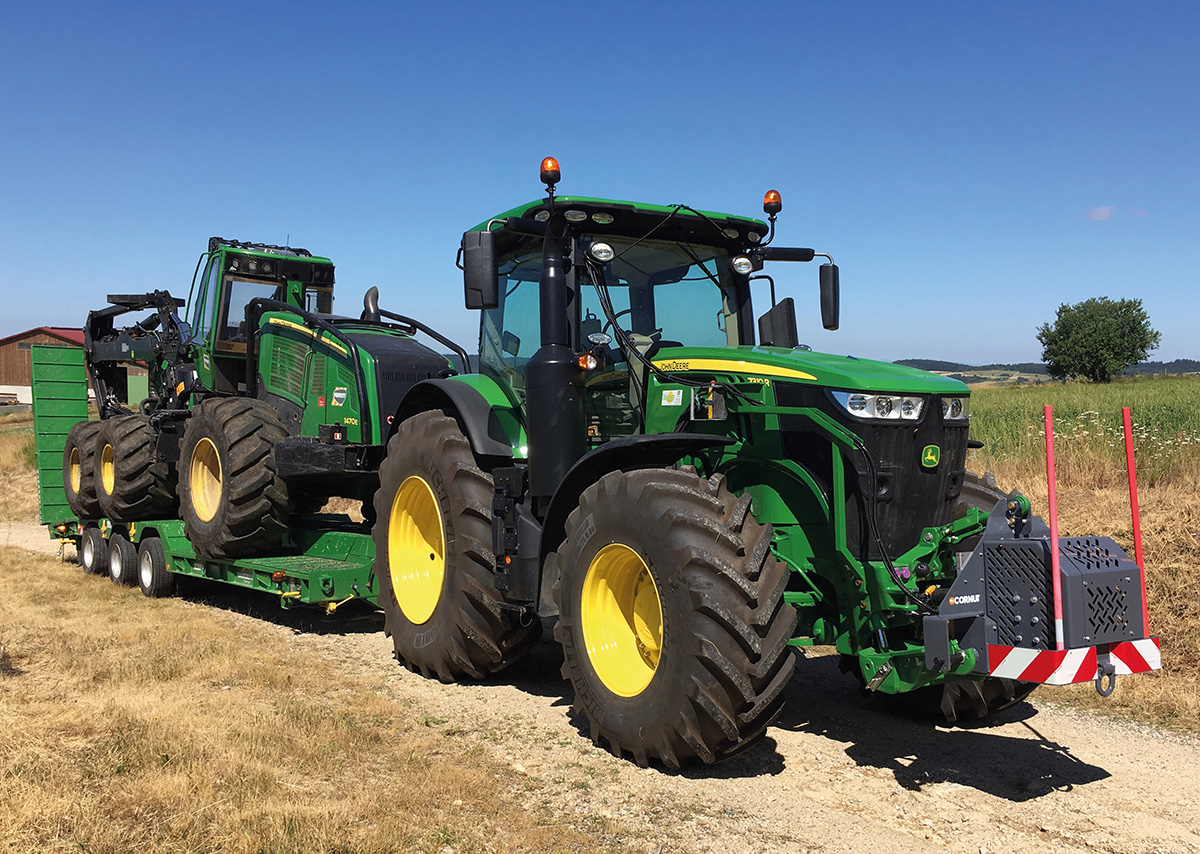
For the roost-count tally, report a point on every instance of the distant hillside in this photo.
(1179, 366)
(959, 367)
(977, 372)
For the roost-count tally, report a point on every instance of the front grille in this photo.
(908, 497)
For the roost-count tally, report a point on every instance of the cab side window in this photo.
(232, 331)
(205, 303)
(511, 332)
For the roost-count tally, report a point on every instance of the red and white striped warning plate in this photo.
(1066, 666)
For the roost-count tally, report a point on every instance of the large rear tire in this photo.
(232, 501)
(79, 471)
(131, 484)
(434, 560)
(672, 618)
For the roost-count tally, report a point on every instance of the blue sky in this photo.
(970, 166)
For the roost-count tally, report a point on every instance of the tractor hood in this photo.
(819, 369)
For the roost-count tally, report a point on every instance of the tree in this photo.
(1097, 338)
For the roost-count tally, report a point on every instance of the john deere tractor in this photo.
(693, 494)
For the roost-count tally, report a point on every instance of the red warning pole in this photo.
(1055, 565)
(1137, 516)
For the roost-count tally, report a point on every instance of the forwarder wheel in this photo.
(79, 479)
(122, 560)
(93, 552)
(153, 576)
(131, 484)
(433, 557)
(672, 619)
(232, 502)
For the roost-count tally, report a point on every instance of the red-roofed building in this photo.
(15, 379)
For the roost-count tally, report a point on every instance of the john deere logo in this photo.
(931, 456)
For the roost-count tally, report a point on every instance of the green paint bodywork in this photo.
(505, 406)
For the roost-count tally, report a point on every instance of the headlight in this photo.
(602, 252)
(956, 408)
(885, 407)
(742, 265)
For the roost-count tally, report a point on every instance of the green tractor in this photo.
(688, 491)
(692, 505)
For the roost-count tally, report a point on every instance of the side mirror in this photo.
(777, 328)
(481, 282)
(829, 296)
(510, 343)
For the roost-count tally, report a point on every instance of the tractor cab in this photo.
(228, 277)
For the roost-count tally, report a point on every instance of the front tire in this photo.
(967, 698)
(672, 618)
(232, 502)
(434, 560)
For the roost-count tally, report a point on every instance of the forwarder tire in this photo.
(93, 552)
(131, 484)
(122, 560)
(434, 560)
(153, 576)
(79, 473)
(672, 619)
(232, 501)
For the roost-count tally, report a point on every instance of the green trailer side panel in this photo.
(59, 402)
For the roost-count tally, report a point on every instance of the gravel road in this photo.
(837, 773)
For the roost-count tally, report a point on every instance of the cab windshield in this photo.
(678, 294)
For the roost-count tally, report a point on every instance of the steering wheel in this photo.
(609, 322)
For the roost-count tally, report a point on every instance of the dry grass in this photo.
(18, 495)
(1094, 499)
(129, 724)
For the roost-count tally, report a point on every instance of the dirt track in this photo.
(836, 773)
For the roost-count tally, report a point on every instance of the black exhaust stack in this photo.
(554, 405)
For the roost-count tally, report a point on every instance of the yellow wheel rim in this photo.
(416, 550)
(76, 471)
(621, 617)
(205, 476)
(108, 474)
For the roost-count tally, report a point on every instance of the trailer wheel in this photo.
(79, 478)
(153, 576)
(122, 560)
(433, 557)
(132, 484)
(672, 619)
(93, 552)
(232, 502)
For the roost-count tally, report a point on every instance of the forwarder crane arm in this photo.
(159, 341)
